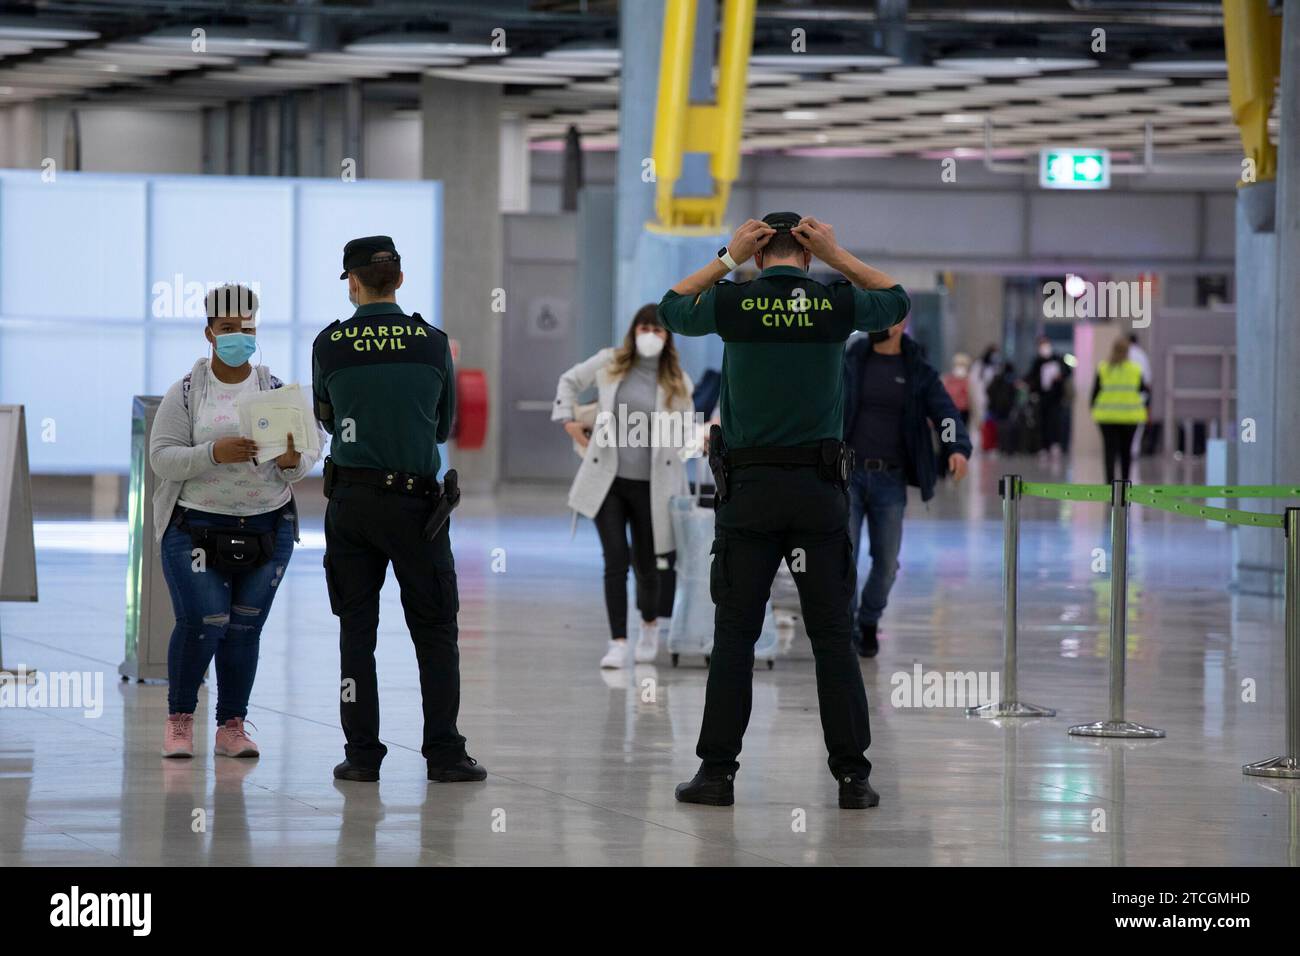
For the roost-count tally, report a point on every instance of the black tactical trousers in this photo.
(789, 512)
(365, 529)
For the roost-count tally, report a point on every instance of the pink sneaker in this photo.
(178, 738)
(233, 742)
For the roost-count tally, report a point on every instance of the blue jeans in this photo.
(219, 614)
(880, 497)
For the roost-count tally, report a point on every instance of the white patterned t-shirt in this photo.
(234, 488)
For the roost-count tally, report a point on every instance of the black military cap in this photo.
(362, 252)
(782, 221)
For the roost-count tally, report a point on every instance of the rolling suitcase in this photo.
(1008, 440)
(1028, 428)
(988, 435)
(691, 630)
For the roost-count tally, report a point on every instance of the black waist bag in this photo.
(231, 549)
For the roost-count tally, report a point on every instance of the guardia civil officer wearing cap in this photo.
(385, 390)
(782, 476)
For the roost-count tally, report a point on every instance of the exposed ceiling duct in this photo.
(884, 78)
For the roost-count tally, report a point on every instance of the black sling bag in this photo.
(230, 549)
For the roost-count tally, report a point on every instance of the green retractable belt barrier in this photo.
(1176, 499)
(1221, 491)
(1165, 497)
(1168, 498)
(1151, 499)
(1060, 492)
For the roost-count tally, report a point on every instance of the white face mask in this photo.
(649, 345)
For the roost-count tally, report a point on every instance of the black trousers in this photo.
(1117, 448)
(777, 512)
(627, 506)
(1050, 425)
(365, 529)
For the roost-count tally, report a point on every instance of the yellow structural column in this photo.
(1252, 38)
(713, 128)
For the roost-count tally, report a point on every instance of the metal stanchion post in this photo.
(1117, 726)
(1289, 764)
(1007, 705)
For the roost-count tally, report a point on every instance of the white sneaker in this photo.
(647, 646)
(615, 657)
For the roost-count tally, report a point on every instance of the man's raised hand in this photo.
(752, 235)
(817, 237)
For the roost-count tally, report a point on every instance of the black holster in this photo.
(718, 465)
(447, 503)
(835, 462)
(330, 475)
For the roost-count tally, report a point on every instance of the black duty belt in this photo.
(798, 455)
(879, 464)
(417, 486)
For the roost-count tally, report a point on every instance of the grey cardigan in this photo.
(172, 452)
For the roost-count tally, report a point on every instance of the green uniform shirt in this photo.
(787, 392)
(385, 389)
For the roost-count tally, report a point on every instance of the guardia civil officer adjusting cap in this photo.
(361, 252)
(782, 221)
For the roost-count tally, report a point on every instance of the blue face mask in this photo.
(235, 348)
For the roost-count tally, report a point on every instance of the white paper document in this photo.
(270, 417)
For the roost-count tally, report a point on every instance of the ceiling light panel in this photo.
(498, 74)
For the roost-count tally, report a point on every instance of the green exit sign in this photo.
(1060, 168)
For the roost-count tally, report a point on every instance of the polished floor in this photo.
(582, 764)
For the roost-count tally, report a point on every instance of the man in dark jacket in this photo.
(892, 396)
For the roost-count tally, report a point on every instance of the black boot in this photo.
(712, 791)
(856, 794)
(867, 644)
(464, 770)
(347, 770)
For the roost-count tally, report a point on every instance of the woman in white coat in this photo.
(631, 466)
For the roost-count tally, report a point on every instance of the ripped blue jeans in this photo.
(219, 614)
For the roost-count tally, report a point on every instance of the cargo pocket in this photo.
(719, 573)
(331, 585)
(448, 595)
(850, 569)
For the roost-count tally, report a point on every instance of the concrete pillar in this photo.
(258, 161)
(1268, 323)
(973, 320)
(287, 139)
(354, 124)
(1286, 359)
(1258, 550)
(516, 164)
(20, 136)
(649, 262)
(461, 147)
(640, 31)
(320, 165)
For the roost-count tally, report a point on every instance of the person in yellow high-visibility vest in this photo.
(1119, 407)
